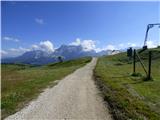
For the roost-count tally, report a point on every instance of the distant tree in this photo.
(60, 58)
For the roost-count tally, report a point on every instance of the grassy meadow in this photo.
(22, 83)
(130, 97)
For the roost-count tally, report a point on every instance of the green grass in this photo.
(130, 97)
(22, 83)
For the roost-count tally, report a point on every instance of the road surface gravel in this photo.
(75, 97)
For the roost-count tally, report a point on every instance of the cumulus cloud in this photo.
(99, 49)
(76, 42)
(107, 47)
(20, 49)
(6, 38)
(110, 47)
(47, 45)
(126, 45)
(3, 52)
(117, 47)
(91, 45)
(151, 44)
(44, 46)
(34, 47)
(121, 45)
(13, 52)
(39, 21)
(87, 45)
(131, 44)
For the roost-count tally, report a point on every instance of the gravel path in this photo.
(75, 97)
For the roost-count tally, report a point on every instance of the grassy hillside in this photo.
(21, 83)
(130, 97)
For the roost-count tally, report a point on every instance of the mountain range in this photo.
(40, 57)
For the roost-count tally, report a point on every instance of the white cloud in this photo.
(39, 21)
(3, 52)
(13, 52)
(77, 42)
(151, 44)
(121, 45)
(131, 45)
(34, 47)
(87, 45)
(20, 49)
(91, 45)
(24, 49)
(6, 38)
(43, 45)
(14, 49)
(110, 47)
(117, 47)
(126, 45)
(99, 49)
(46, 46)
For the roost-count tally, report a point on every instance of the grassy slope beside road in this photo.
(128, 96)
(22, 83)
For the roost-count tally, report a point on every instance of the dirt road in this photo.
(74, 97)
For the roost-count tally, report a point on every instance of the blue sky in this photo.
(107, 25)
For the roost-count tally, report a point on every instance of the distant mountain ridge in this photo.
(39, 57)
